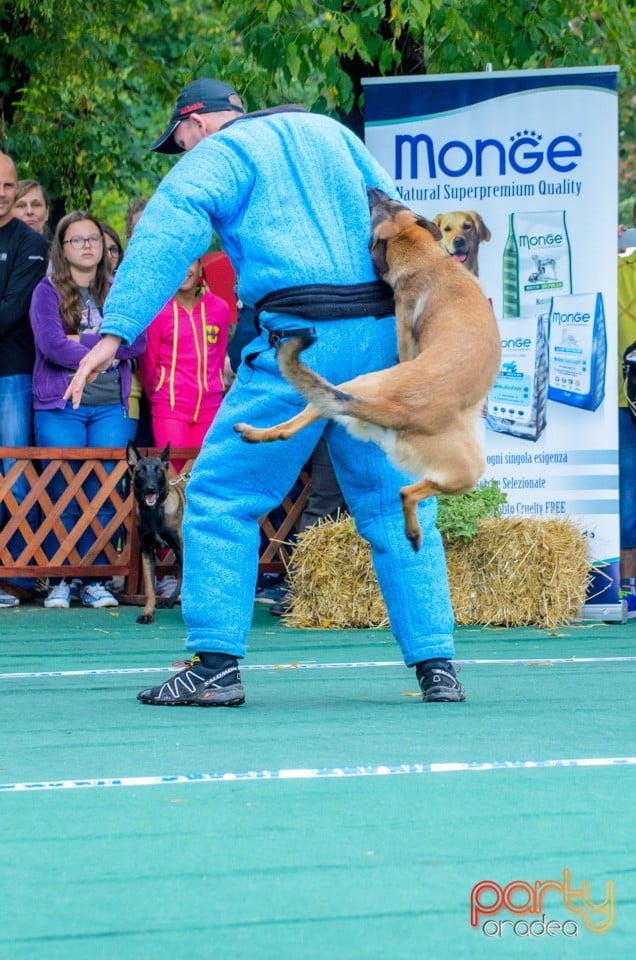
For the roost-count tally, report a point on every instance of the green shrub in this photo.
(458, 517)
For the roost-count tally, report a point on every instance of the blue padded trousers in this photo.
(233, 484)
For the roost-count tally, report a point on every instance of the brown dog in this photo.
(462, 232)
(423, 411)
(160, 504)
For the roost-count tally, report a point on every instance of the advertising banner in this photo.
(519, 171)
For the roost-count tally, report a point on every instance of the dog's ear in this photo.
(429, 225)
(164, 456)
(132, 455)
(376, 195)
(482, 230)
(378, 255)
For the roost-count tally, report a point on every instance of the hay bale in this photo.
(520, 572)
(332, 579)
(514, 572)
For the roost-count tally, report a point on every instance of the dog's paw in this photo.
(247, 433)
(414, 537)
(146, 618)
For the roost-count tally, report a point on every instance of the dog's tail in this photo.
(331, 401)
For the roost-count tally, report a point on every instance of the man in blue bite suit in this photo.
(286, 192)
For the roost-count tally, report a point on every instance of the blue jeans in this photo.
(88, 426)
(233, 484)
(16, 431)
(627, 478)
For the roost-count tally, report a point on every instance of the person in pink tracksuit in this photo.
(182, 366)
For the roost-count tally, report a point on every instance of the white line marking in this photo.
(317, 773)
(363, 664)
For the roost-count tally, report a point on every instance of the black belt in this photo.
(326, 301)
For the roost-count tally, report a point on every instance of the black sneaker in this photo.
(438, 682)
(270, 587)
(198, 686)
(282, 606)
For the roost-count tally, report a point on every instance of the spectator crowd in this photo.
(166, 385)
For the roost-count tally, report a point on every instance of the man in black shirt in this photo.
(23, 255)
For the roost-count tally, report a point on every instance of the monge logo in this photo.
(421, 157)
(488, 898)
(558, 317)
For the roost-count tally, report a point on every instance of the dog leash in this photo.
(182, 478)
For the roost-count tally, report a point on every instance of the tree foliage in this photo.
(331, 46)
(298, 39)
(85, 87)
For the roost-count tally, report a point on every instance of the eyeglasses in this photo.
(113, 250)
(78, 242)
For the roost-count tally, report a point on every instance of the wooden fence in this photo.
(34, 541)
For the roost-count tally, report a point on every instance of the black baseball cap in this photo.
(200, 96)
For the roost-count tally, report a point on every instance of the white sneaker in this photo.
(166, 586)
(96, 595)
(7, 600)
(59, 596)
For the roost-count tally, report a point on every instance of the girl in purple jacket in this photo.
(66, 316)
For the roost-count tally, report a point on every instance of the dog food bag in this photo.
(517, 402)
(536, 260)
(577, 350)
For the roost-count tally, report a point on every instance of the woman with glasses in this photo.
(114, 248)
(66, 316)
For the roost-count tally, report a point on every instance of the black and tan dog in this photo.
(160, 506)
(423, 412)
